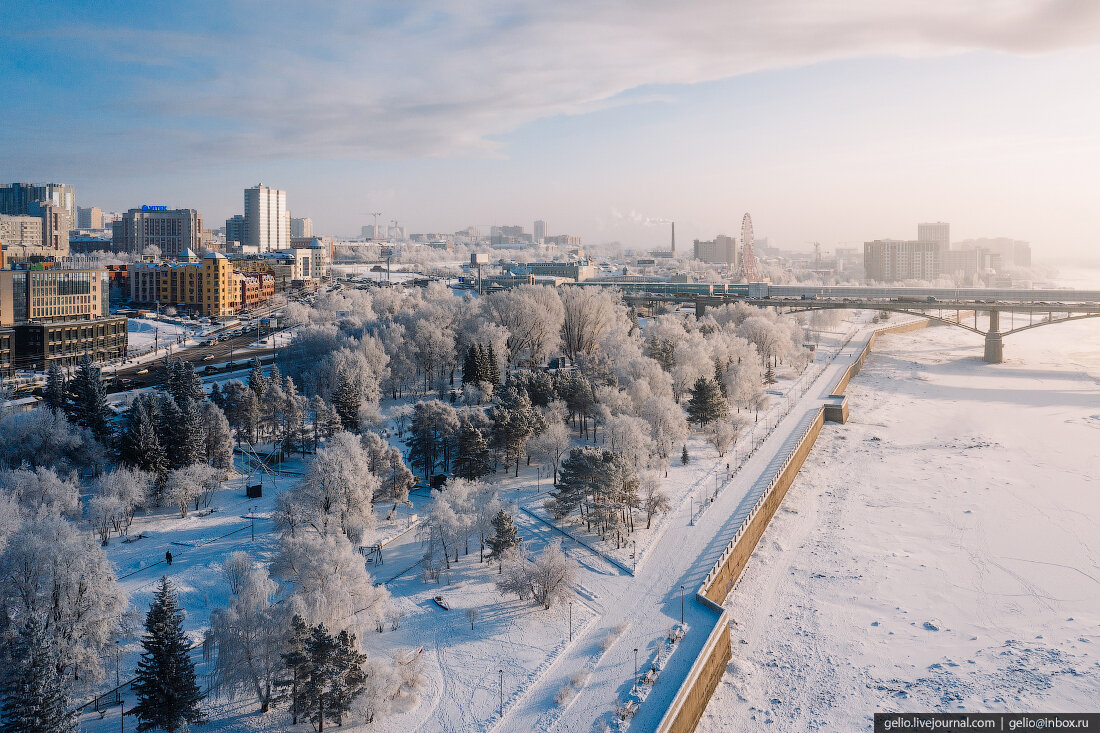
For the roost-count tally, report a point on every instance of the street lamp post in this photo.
(502, 694)
(634, 556)
(681, 605)
(252, 517)
(570, 620)
(635, 669)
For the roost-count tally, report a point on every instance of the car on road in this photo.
(208, 357)
(143, 371)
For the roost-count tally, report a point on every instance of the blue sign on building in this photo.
(147, 207)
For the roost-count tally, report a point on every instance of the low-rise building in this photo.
(719, 251)
(210, 287)
(578, 270)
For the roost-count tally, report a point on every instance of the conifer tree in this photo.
(346, 399)
(769, 374)
(707, 403)
(473, 459)
(332, 676)
(684, 455)
(216, 396)
(471, 367)
(35, 699)
(187, 436)
(350, 679)
(87, 400)
(504, 537)
(297, 663)
(493, 367)
(257, 382)
(167, 692)
(139, 446)
(55, 388)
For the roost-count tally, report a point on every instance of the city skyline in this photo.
(850, 128)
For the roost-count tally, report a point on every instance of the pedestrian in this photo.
(168, 557)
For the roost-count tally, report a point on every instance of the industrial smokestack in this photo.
(673, 239)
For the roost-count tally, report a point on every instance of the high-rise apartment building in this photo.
(301, 227)
(171, 230)
(16, 199)
(938, 232)
(722, 250)
(90, 218)
(889, 260)
(267, 224)
(540, 230)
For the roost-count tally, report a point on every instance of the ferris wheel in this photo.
(749, 271)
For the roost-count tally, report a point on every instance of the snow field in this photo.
(938, 552)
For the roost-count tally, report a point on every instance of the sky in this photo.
(834, 121)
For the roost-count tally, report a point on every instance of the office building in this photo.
(267, 223)
(721, 250)
(210, 287)
(889, 260)
(58, 315)
(236, 231)
(90, 218)
(540, 230)
(562, 240)
(170, 230)
(301, 227)
(938, 232)
(16, 199)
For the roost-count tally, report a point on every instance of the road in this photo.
(649, 604)
(236, 348)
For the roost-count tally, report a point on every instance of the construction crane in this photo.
(375, 214)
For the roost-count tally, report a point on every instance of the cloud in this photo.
(430, 79)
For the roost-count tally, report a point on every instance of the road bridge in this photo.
(990, 312)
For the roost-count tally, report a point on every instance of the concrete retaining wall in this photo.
(695, 692)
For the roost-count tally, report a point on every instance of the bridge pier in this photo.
(994, 348)
(700, 308)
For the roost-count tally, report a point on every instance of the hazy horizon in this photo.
(853, 124)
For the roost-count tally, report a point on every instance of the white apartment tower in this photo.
(540, 230)
(267, 222)
(938, 232)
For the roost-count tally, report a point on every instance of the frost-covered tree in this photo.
(347, 399)
(654, 500)
(547, 579)
(330, 583)
(193, 484)
(41, 438)
(130, 488)
(336, 494)
(247, 633)
(167, 692)
(51, 569)
(587, 315)
(532, 316)
(550, 445)
(35, 698)
(42, 489)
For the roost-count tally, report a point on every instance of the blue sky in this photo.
(830, 121)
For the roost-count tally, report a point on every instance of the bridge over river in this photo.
(990, 312)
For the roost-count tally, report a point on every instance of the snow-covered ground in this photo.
(938, 552)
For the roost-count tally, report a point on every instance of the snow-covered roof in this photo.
(215, 256)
